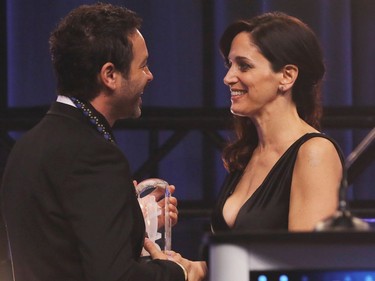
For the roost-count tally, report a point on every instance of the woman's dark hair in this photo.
(282, 40)
(87, 38)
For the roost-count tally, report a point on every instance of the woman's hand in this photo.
(195, 270)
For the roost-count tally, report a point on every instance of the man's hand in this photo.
(159, 197)
(173, 211)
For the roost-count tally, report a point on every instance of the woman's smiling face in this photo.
(252, 82)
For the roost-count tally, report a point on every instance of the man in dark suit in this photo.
(68, 198)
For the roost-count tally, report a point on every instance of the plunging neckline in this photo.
(268, 207)
(259, 188)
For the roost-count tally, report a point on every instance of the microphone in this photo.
(343, 219)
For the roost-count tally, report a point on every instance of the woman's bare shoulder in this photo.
(318, 150)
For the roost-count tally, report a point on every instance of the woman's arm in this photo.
(315, 183)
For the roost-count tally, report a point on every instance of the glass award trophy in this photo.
(157, 219)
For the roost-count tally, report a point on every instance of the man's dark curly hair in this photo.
(87, 38)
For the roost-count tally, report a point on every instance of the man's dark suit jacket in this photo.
(70, 206)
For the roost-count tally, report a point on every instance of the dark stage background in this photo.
(185, 114)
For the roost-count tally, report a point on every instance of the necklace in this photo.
(94, 120)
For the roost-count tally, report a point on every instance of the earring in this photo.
(281, 88)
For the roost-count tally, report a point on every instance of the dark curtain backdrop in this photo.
(182, 38)
(188, 69)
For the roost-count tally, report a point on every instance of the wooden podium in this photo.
(286, 256)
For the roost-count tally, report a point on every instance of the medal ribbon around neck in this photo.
(94, 120)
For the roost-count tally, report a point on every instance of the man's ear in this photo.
(108, 75)
(289, 76)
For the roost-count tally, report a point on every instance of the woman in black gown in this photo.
(283, 173)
